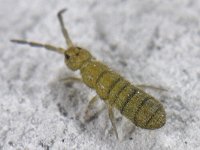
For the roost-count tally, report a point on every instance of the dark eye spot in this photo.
(67, 56)
(77, 54)
(78, 48)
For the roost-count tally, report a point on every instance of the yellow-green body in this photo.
(141, 108)
(138, 106)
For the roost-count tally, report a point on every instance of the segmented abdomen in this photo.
(138, 106)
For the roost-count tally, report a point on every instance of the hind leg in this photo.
(142, 86)
(88, 113)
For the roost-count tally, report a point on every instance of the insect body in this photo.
(141, 108)
(138, 106)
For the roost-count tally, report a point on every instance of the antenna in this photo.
(63, 29)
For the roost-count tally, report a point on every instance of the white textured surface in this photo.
(154, 42)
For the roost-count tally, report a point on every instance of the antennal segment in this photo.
(64, 30)
(37, 44)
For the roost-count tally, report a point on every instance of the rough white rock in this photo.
(153, 42)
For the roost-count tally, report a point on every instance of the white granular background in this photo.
(150, 42)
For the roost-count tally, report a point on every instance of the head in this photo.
(75, 57)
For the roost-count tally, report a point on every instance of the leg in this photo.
(150, 86)
(64, 30)
(69, 79)
(88, 116)
(112, 119)
(92, 101)
(37, 44)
